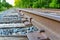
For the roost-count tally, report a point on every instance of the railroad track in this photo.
(45, 21)
(48, 21)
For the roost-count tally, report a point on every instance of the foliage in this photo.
(4, 5)
(37, 3)
(55, 4)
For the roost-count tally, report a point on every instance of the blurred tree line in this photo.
(37, 3)
(4, 5)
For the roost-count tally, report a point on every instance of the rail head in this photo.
(54, 16)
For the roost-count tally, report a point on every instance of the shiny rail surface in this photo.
(53, 16)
